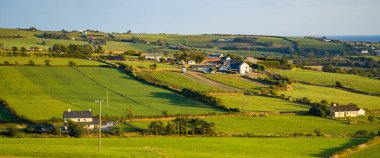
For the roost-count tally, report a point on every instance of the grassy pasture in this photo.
(124, 46)
(287, 124)
(317, 93)
(260, 103)
(83, 85)
(325, 78)
(175, 147)
(53, 61)
(27, 98)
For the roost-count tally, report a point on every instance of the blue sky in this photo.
(264, 17)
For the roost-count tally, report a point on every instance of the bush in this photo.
(117, 130)
(13, 132)
(71, 63)
(31, 63)
(371, 118)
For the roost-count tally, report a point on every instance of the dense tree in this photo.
(75, 130)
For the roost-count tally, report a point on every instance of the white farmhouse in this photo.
(80, 117)
(346, 111)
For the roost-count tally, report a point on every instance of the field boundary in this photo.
(357, 148)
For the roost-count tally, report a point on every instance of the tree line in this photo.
(182, 126)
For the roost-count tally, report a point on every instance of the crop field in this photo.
(372, 152)
(175, 147)
(27, 98)
(260, 103)
(53, 61)
(88, 84)
(287, 124)
(146, 64)
(325, 78)
(317, 93)
(176, 80)
(234, 81)
(311, 43)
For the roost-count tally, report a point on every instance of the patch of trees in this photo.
(186, 56)
(132, 53)
(318, 108)
(76, 48)
(182, 126)
(271, 64)
(235, 57)
(64, 36)
(112, 57)
(135, 40)
(279, 82)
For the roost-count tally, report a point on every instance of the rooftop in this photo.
(77, 114)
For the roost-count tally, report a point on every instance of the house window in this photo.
(84, 119)
(78, 120)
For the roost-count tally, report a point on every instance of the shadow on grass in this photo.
(330, 151)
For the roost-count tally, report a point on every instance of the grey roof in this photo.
(236, 66)
(202, 66)
(77, 114)
(344, 108)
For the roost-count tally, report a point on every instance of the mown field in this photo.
(175, 147)
(372, 152)
(317, 93)
(235, 81)
(260, 103)
(45, 92)
(52, 61)
(175, 80)
(325, 78)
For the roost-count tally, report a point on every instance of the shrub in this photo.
(117, 130)
(75, 130)
(371, 118)
(71, 63)
(31, 63)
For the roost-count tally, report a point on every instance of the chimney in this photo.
(68, 110)
(89, 110)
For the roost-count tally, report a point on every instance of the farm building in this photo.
(251, 59)
(203, 67)
(191, 62)
(80, 117)
(240, 67)
(346, 111)
(213, 59)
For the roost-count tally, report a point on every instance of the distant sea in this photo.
(360, 38)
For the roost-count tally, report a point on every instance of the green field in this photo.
(311, 43)
(235, 81)
(287, 124)
(260, 103)
(124, 46)
(45, 92)
(317, 93)
(145, 64)
(372, 152)
(27, 98)
(325, 78)
(175, 80)
(175, 147)
(53, 61)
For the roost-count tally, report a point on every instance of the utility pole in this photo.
(100, 122)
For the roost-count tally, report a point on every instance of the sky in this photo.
(256, 17)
